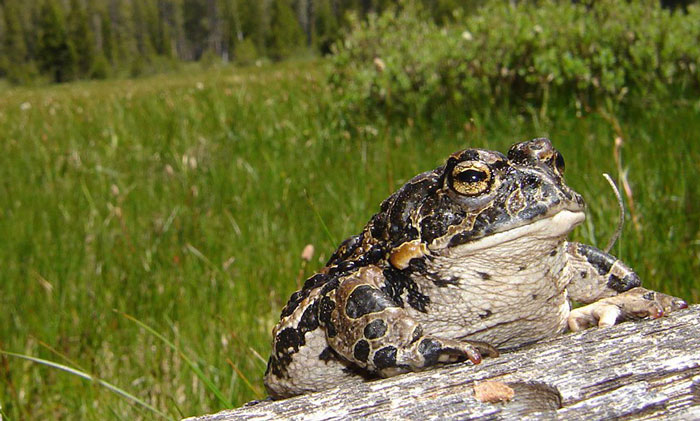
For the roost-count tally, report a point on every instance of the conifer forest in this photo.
(64, 40)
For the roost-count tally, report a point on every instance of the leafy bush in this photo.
(100, 67)
(246, 53)
(402, 64)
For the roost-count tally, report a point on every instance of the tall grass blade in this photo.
(254, 389)
(621, 219)
(90, 377)
(189, 362)
(320, 219)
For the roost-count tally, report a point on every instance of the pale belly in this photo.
(503, 296)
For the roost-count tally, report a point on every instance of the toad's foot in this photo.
(637, 303)
(429, 351)
(434, 350)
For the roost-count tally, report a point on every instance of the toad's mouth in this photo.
(558, 225)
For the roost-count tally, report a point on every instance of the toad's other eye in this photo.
(471, 178)
(559, 163)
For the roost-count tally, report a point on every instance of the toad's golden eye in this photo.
(471, 178)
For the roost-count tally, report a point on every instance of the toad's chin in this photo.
(556, 226)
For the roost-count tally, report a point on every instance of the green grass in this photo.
(185, 201)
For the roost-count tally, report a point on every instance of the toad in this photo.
(460, 262)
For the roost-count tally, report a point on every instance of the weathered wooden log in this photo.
(636, 370)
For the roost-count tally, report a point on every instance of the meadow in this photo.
(185, 201)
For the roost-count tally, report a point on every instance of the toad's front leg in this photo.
(611, 289)
(366, 327)
(637, 303)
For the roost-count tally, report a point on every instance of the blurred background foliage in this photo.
(585, 55)
(62, 40)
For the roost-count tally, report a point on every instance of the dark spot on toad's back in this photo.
(361, 350)
(365, 300)
(398, 282)
(329, 286)
(328, 354)
(308, 321)
(286, 339)
(324, 315)
(429, 349)
(385, 357)
(375, 329)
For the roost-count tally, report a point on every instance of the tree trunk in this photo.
(636, 370)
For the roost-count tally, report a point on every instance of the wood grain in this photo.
(636, 370)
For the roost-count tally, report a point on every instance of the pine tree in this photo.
(152, 26)
(196, 26)
(55, 52)
(104, 47)
(214, 34)
(14, 48)
(121, 46)
(231, 33)
(3, 55)
(166, 19)
(327, 31)
(285, 33)
(139, 20)
(107, 37)
(178, 32)
(303, 7)
(81, 37)
(253, 23)
(126, 50)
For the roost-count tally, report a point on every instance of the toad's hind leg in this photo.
(366, 327)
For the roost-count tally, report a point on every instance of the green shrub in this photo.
(209, 59)
(100, 68)
(246, 53)
(402, 64)
(23, 73)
